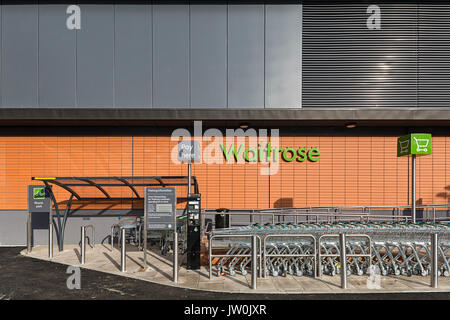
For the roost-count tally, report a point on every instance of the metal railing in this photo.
(83, 241)
(268, 256)
(253, 256)
(336, 213)
(347, 254)
(343, 255)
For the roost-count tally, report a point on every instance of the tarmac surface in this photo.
(24, 278)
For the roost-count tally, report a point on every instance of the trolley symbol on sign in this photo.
(422, 144)
(404, 146)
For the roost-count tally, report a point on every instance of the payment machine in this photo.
(193, 231)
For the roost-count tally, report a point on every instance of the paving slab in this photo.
(159, 270)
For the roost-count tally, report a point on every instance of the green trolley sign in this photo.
(414, 143)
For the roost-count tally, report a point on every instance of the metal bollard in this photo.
(343, 261)
(83, 245)
(123, 256)
(29, 232)
(210, 253)
(50, 240)
(175, 256)
(434, 260)
(254, 261)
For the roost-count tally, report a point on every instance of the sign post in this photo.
(160, 215)
(188, 151)
(38, 201)
(414, 144)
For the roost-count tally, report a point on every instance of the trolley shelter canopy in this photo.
(114, 188)
(104, 193)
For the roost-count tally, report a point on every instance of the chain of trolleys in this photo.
(298, 249)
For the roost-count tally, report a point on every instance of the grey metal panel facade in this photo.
(57, 59)
(13, 228)
(171, 56)
(19, 65)
(283, 63)
(140, 55)
(95, 57)
(246, 56)
(345, 64)
(434, 56)
(208, 76)
(133, 56)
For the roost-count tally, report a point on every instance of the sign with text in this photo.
(188, 151)
(160, 208)
(38, 199)
(414, 143)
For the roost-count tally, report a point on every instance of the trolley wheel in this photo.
(409, 273)
(244, 272)
(360, 272)
(446, 273)
(397, 272)
(424, 273)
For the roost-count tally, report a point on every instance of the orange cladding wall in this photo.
(351, 170)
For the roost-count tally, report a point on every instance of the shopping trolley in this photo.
(398, 248)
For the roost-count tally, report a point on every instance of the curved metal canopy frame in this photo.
(71, 183)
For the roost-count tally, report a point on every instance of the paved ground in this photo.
(24, 278)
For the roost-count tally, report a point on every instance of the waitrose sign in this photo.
(264, 153)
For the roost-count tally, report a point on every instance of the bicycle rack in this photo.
(112, 235)
(83, 241)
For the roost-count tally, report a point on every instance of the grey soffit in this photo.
(317, 114)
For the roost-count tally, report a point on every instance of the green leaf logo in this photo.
(38, 193)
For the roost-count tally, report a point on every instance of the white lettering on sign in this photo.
(74, 20)
(374, 21)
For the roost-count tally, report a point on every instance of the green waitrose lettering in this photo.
(261, 153)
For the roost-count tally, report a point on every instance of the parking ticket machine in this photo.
(193, 231)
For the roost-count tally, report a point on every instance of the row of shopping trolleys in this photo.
(395, 248)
